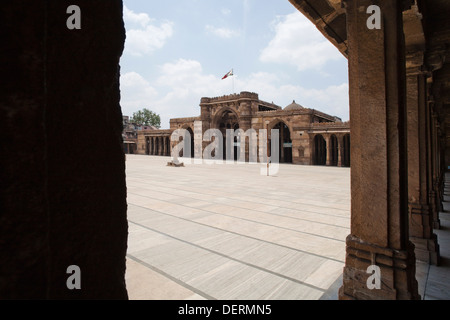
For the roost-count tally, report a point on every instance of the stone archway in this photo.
(346, 151)
(191, 133)
(226, 119)
(334, 151)
(284, 141)
(320, 150)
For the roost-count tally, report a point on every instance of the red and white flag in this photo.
(229, 74)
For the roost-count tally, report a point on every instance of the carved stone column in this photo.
(150, 139)
(379, 196)
(153, 146)
(420, 217)
(164, 147)
(329, 149)
(434, 193)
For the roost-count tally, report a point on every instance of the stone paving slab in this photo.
(227, 232)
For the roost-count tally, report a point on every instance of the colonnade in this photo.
(330, 149)
(157, 146)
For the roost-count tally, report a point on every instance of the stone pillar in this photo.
(439, 170)
(58, 185)
(420, 217)
(379, 208)
(152, 145)
(430, 158)
(160, 147)
(434, 192)
(340, 139)
(329, 149)
(164, 140)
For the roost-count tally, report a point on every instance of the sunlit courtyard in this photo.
(229, 232)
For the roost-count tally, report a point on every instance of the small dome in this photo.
(293, 106)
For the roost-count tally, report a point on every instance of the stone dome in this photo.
(293, 106)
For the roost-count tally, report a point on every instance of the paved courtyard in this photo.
(228, 232)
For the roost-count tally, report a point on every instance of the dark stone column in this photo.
(421, 221)
(164, 150)
(62, 165)
(379, 209)
(153, 146)
(434, 175)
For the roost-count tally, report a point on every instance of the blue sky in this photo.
(177, 52)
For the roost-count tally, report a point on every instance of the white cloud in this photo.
(135, 19)
(187, 84)
(224, 33)
(180, 85)
(136, 93)
(142, 37)
(298, 42)
(225, 11)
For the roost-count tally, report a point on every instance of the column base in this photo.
(434, 210)
(426, 250)
(397, 272)
(421, 234)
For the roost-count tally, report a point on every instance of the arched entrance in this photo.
(346, 151)
(320, 150)
(334, 145)
(225, 120)
(192, 140)
(191, 134)
(285, 142)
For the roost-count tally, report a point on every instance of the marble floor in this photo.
(229, 232)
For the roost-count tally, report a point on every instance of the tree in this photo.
(147, 118)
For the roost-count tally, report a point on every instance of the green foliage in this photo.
(147, 118)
